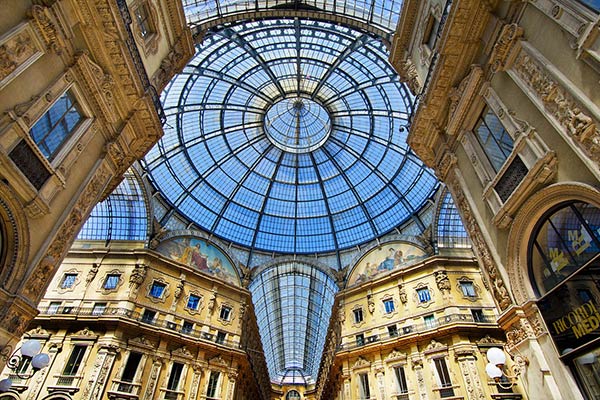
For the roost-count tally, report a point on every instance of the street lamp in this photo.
(495, 368)
(30, 353)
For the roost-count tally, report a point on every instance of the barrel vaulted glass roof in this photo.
(382, 14)
(293, 303)
(285, 136)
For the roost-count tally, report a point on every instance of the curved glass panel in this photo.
(450, 229)
(122, 216)
(293, 303)
(284, 135)
(564, 241)
(383, 14)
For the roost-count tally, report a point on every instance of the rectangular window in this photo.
(430, 35)
(429, 321)
(55, 127)
(187, 327)
(53, 307)
(363, 381)
(389, 306)
(220, 337)
(494, 140)
(175, 376)
(74, 361)
(393, 330)
(358, 315)
(477, 314)
(157, 289)
(142, 15)
(213, 382)
(193, 302)
(424, 295)
(148, 316)
(68, 281)
(225, 313)
(360, 339)
(468, 289)
(401, 380)
(133, 362)
(98, 308)
(444, 378)
(112, 281)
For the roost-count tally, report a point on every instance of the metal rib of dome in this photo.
(288, 186)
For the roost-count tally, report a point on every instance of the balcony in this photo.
(118, 313)
(441, 322)
(124, 390)
(66, 383)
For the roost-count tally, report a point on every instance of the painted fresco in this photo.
(200, 255)
(388, 257)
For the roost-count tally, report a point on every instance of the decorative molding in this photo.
(506, 48)
(558, 104)
(101, 287)
(435, 346)
(485, 259)
(361, 362)
(443, 282)
(219, 361)
(19, 48)
(165, 293)
(182, 352)
(396, 355)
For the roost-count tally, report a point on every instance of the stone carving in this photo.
(137, 278)
(560, 105)
(340, 276)
(246, 275)
(434, 345)
(480, 246)
(473, 385)
(395, 355)
(92, 274)
(518, 332)
(38, 331)
(15, 53)
(141, 340)
(178, 292)
(47, 29)
(371, 303)
(86, 332)
(504, 47)
(442, 281)
(195, 381)
(218, 360)
(212, 302)
(408, 74)
(361, 362)
(182, 352)
(152, 381)
(487, 339)
(402, 293)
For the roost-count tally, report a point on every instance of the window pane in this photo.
(493, 138)
(157, 289)
(74, 360)
(56, 125)
(111, 282)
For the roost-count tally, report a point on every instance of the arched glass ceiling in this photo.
(293, 303)
(121, 216)
(235, 160)
(383, 14)
(450, 229)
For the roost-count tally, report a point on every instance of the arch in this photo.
(15, 247)
(524, 224)
(449, 230)
(9, 396)
(293, 395)
(123, 215)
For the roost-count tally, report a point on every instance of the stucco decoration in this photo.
(389, 257)
(200, 255)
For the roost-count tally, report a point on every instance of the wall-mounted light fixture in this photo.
(496, 368)
(27, 354)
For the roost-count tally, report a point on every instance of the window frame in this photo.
(157, 284)
(386, 302)
(356, 313)
(74, 276)
(213, 384)
(426, 298)
(112, 275)
(229, 313)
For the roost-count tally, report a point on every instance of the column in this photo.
(417, 366)
(232, 375)
(153, 379)
(196, 381)
(104, 363)
(473, 385)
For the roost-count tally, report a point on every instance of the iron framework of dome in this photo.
(284, 136)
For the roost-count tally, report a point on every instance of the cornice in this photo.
(457, 49)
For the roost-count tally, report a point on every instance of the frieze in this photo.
(19, 49)
(48, 29)
(361, 362)
(559, 104)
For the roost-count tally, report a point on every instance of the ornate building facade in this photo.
(262, 228)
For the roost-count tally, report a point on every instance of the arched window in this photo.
(451, 232)
(566, 240)
(292, 395)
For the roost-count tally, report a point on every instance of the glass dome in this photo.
(285, 136)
